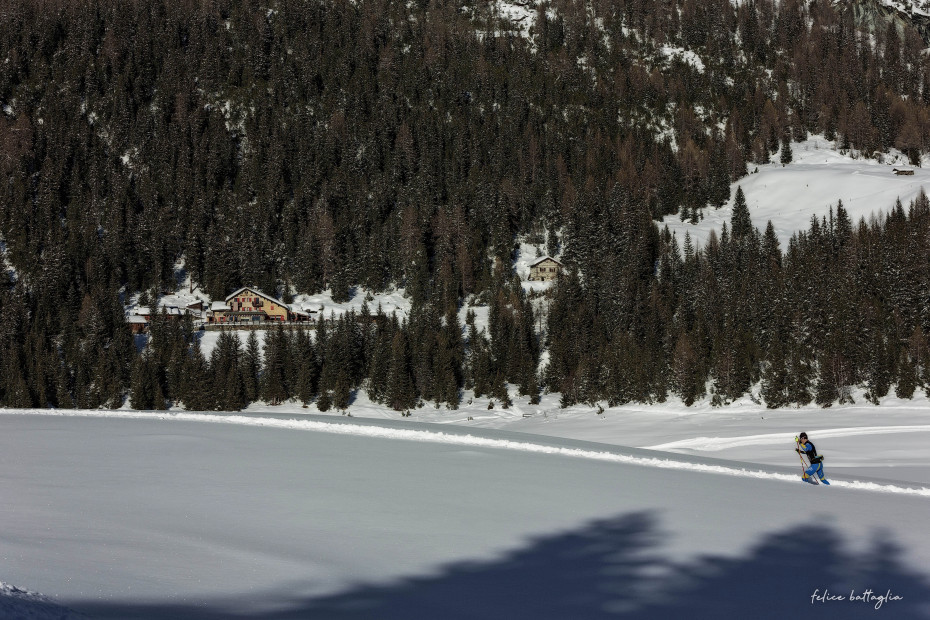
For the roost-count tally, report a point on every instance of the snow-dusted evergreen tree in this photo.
(275, 387)
(786, 156)
(195, 392)
(308, 367)
(251, 368)
(401, 394)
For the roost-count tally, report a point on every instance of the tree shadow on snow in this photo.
(613, 569)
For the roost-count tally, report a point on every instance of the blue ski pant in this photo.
(816, 468)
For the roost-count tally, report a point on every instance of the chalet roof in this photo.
(136, 319)
(260, 294)
(545, 258)
(141, 311)
(219, 305)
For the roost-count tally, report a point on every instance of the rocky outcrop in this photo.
(876, 14)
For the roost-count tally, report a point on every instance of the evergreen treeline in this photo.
(331, 144)
(845, 305)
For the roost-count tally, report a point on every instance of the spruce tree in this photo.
(907, 376)
(251, 368)
(400, 389)
(275, 389)
(740, 223)
(195, 387)
(786, 156)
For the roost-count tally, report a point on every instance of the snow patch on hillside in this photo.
(811, 185)
(393, 301)
(686, 56)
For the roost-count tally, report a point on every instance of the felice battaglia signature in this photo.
(867, 596)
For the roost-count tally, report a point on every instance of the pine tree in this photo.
(775, 377)
(907, 376)
(195, 387)
(786, 156)
(145, 391)
(400, 389)
(275, 389)
(251, 368)
(308, 375)
(740, 223)
(380, 362)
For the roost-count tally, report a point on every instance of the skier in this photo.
(807, 448)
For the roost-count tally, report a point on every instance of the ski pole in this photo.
(798, 442)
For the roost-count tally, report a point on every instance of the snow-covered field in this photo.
(286, 515)
(817, 178)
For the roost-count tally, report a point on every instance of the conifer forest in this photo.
(342, 145)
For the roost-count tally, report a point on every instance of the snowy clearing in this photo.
(811, 185)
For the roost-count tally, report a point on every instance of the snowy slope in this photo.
(161, 517)
(811, 185)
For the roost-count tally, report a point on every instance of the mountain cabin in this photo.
(545, 269)
(250, 305)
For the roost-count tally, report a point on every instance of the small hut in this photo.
(137, 324)
(545, 269)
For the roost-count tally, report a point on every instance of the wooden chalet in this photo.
(903, 171)
(250, 306)
(545, 269)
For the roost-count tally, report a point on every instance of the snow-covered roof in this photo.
(141, 311)
(259, 293)
(544, 258)
(219, 305)
(136, 319)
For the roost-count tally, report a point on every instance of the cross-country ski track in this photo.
(608, 453)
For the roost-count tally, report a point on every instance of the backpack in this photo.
(812, 455)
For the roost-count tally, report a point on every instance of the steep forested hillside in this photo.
(303, 145)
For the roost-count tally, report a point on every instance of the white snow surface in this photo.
(819, 176)
(279, 514)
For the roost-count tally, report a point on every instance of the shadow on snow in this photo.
(612, 569)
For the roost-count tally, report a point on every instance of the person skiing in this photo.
(806, 448)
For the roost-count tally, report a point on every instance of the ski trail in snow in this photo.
(381, 432)
(713, 444)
